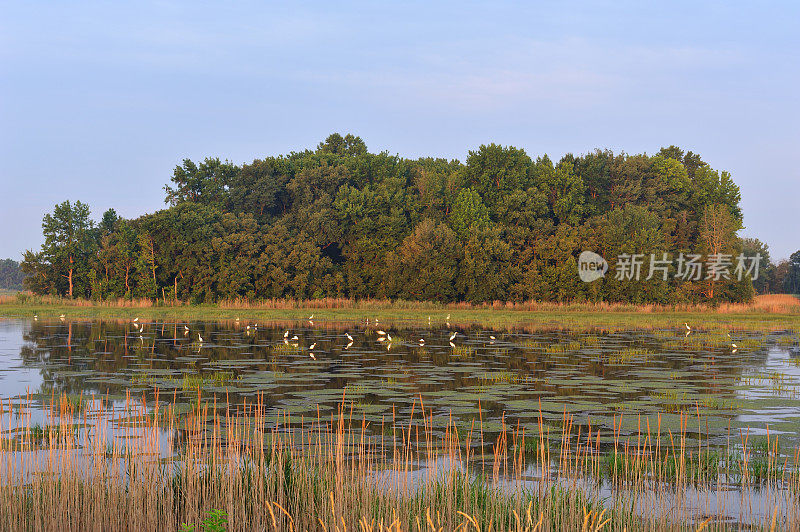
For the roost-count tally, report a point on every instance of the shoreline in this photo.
(577, 317)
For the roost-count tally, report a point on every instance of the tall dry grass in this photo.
(770, 303)
(151, 469)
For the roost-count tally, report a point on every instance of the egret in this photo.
(448, 317)
(295, 338)
(62, 316)
(35, 317)
(200, 338)
(186, 328)
(135, 319)
(491, 337)
(422, 342)
(734, 346)
(312, 356)
(248, 327)
(389, 336)
(312, 346)
(380, 332)
(286, 334)
(453, 336)
(687, 326)
(382, 339)
(348, 345)
(311, 317)
(350, 338)
(452, 344)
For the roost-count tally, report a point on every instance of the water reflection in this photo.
(596, 376)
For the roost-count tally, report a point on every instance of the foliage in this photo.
(11, 275)
(340, 221)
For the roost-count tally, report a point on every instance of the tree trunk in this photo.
(71, 261)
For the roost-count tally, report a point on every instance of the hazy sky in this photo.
(99, 101)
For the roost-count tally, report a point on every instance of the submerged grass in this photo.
(149, 468)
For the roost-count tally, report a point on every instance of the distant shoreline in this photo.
(766, 312)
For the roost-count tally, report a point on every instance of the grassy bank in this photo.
(765, 313)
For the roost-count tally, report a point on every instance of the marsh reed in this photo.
(128, 465)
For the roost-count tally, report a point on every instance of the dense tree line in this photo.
(340, 221)
(11, 275)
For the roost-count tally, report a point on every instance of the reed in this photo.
(146, 467)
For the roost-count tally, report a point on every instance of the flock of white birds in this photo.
(383, 336)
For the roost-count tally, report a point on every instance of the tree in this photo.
(11, 277)
(765, 283)
(425, 266)
(792, 281)
(469, 213)
(67, 240)
(205, 183)
(718, 229)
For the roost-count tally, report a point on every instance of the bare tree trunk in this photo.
(71, 261)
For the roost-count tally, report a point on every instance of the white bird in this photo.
(200, 338)
(295, 338)
(185, 327)
(687, 326)
(382, 333)
(448, 317)
(453, 336)
(452, 344)
(62, 316)
(491, 337)
(312, 346)
(421, 342)
(286, 334)
(382, 339)
(311, 317)
(734, 346)
(35, 317)
(135, 319)
(389, 336)
(348, 345)
(312, 356)
(348, 336)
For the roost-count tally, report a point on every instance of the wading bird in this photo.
(350, 338)
(200, 338)
(312, 346)
(453, 336)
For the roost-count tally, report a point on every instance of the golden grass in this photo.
(161, 470)
(770, 303)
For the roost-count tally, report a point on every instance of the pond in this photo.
(618, 380)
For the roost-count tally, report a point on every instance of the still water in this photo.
(748, 381)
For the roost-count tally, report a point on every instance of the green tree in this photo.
(67, 242)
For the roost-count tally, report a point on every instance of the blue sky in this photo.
(99, 101)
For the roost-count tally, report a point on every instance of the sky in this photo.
(99, 101)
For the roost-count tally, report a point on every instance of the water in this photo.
(519, 376)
